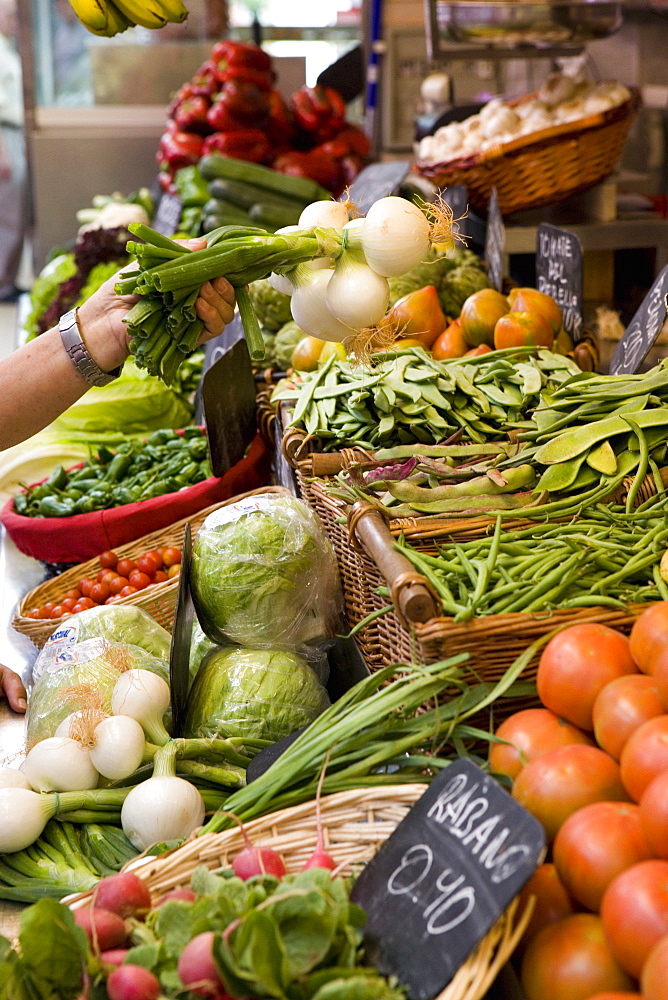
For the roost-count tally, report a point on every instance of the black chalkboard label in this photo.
(559, 273)
(168, 213)
(643, 329)
(179, 653)
(457, 197)
(378, 180)
(444, 877)
(229, 405)
(495, 242)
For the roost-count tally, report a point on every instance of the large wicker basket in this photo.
(159, 600)
(543, 168)
(354, 824)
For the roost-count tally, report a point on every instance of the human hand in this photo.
(12, 686)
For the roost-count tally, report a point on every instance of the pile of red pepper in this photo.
(232, 106)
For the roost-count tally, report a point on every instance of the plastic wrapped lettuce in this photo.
(82, 677)
(258, 693)
(118, 623)
(264, 574)
(200, 645)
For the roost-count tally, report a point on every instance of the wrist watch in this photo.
(78, 352)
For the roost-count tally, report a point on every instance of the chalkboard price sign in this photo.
(559, 273)
(167, 215)
(495, 242)
(229, 405)
(378, 180)
(643, 329)
(179, 653)
(444, 877)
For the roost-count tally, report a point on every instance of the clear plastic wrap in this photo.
(264, 574)
(258, 693)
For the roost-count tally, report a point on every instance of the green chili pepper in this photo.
(53, 506)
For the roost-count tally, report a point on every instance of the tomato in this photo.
(450, 343)
(108, 559)
(551, 900)
(476, 352)
(100, 592)
(570, 960)
(479, 315)
(653, 808)
(649, 635)
(645, 755)
(68, 603)
(128, 591)
(576, 664)
(57, 611)
(660, 675)
(117, 583)
(171, 556)
(520, 329)
(105, 574)
(173, 571)
(418, 315)
(125, 567)
(159, 576)
(594, 844)
(139, 580)
(634, 911)
(49, 606)
(157, 555)
(306, 354)
(83, 604)
(530, 733)
(74, 593)
(531, 300)
(84, 585)
(620, 707)
(147, 564)
(654, 975)
(43, 613)
(32, 613)
(554, 785)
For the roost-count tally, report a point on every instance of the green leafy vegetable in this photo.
(53, 958)
(45, 289)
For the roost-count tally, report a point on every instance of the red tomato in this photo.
(68, 603)
(128, 591)
(157, 555)
(147, 564)
(173, 571)
(551, 900)
(159, 576)
(83, 604)
(44, 612)
(139, 580)
(560, 781)
(654, 974)
(171, 556)
(634, 911)
(33, 613)
(594, 844)
(112, 599)
(530, 733)
(520, 329)
(649, 635)
(645, 755)
(75, 593)
(570, 960)
(100, 592)
(653, 808)
(84, 585)
(108, 559)
(49, 606)
(57, 611)
(117, 583)
(620, 707)
(660, 675)
(105, 574)
(125, 567)
(576, 664)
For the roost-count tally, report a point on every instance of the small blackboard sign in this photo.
(559, 273)
(378, 180)
(457, 197)
(444, 877)
(229, 407)
(643, 329)
(179, 653)
(168, 213)
(495, 242)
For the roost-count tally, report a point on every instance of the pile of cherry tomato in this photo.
(116, 578)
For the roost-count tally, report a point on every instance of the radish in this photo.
(104, 929)
(320, 858)
(132, 982)
(255, 860)
(124, 894)
(198, 970)
(183, 895)
(115, 956)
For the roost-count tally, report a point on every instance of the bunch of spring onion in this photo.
(335, 269)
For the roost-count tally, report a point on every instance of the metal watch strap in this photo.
(78, 353)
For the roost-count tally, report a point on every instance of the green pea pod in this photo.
(602, 458)
(560, 477)
(484, 504)
(519, 478)
(574, 442)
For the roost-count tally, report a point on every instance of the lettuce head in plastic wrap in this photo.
(264, 574)
(253, 693)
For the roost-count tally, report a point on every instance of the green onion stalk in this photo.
(163, 325)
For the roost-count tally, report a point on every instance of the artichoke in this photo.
(286, 340)
(272, 308)
(458, 285)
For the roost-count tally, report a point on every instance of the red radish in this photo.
(132, 982)
(320, 858)
(255, 860)
(197, 968)
(186, 895)
(115, 956)
(104, 929)
(125, 894)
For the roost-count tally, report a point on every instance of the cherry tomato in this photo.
(570, 960)
(125, 567)
(128, 591)
(139, 580)
(653, 808)
(649, 635)
(105, 574)
(530, 733)
(560, 781)
(157, 555)
(551, 900)
(84, 586)
(173, 571)
(74, 593)
(576, 664)
(68, 603)
(634, 911)
(620, 707)
(108, 559)
(117, 583)
(594, 844)
(112, 599)
(147, 564)
(49, 606)
(645, 755)
(57, 611)
(159, 576)
(32, 613)
(83, 604)
(171, 556)
(654, 975)
(100, 592)
(44, 612)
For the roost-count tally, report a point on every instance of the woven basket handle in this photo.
(412, 596)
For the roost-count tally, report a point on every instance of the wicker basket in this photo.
(159, 600)
(543, 168)
(354, 824)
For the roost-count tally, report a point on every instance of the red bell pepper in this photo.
(179, 149)
(314, 164)
(205, 82)
(190, 115)
(319, 109)
(355, 139)
(248, 144)
(261, 78)
(280, 126)
(232, 53)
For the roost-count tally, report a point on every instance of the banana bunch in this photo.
(110, 17)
